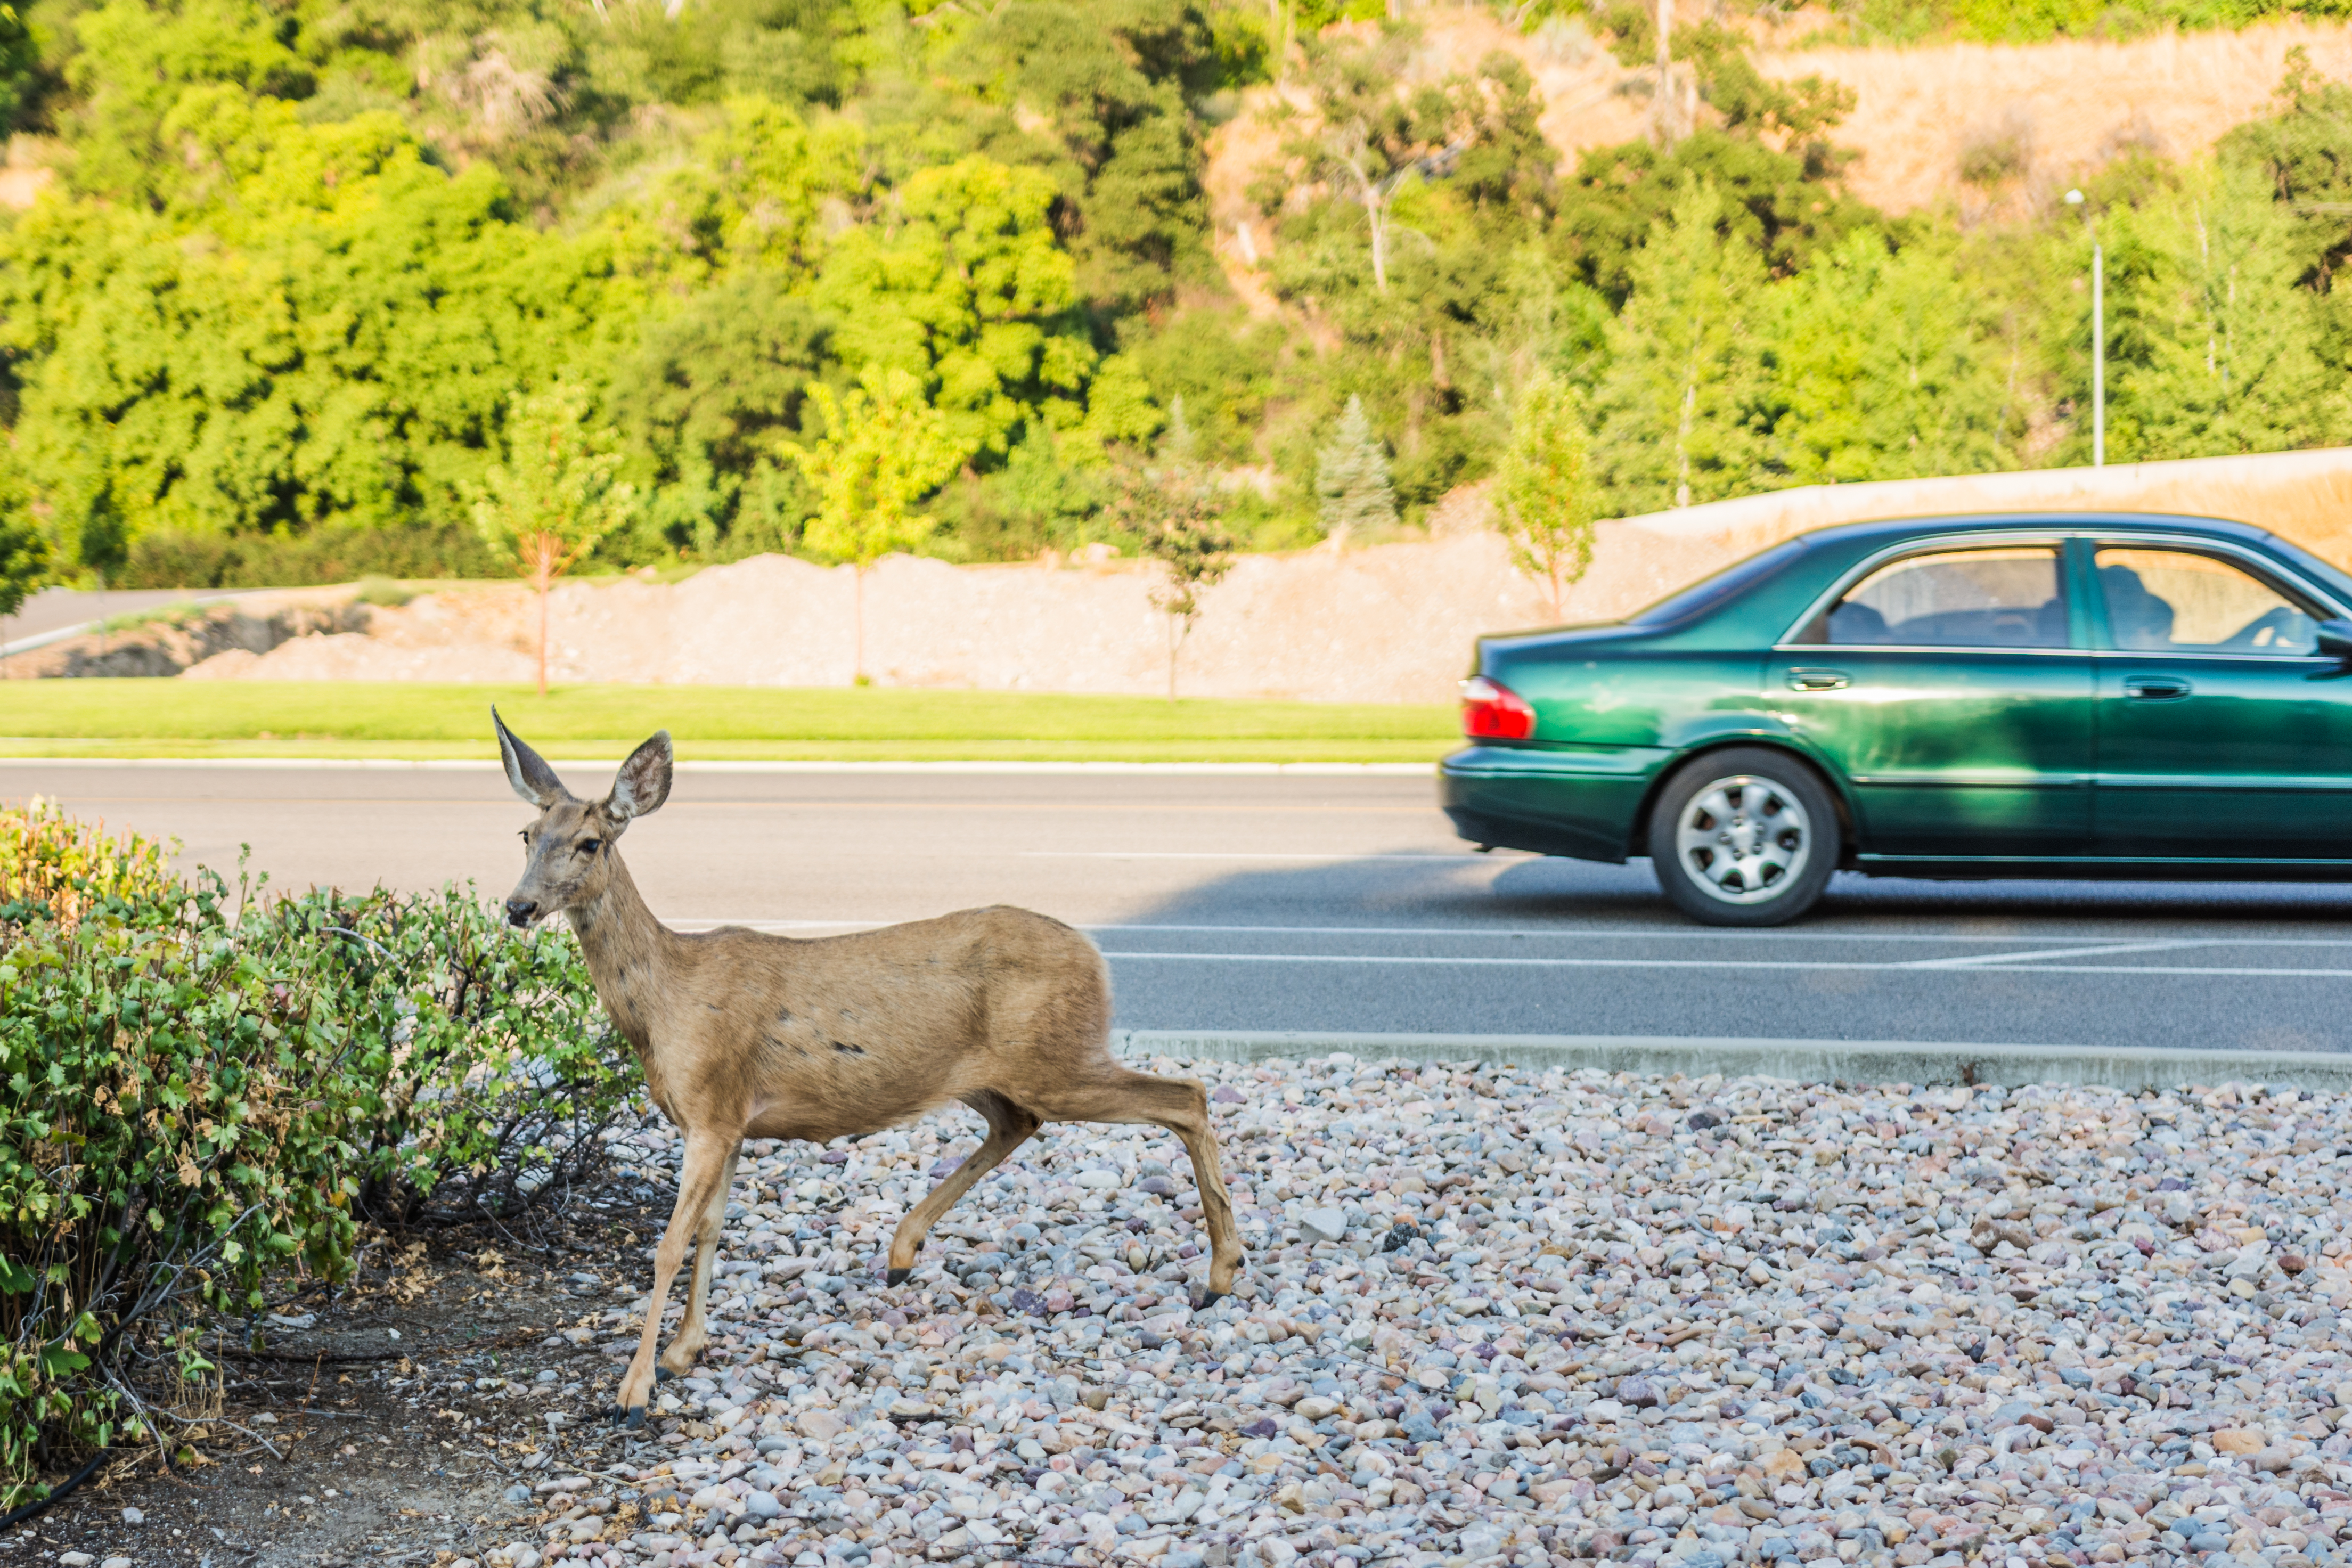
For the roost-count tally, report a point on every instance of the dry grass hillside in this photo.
(2065, 107)
(2071, 105)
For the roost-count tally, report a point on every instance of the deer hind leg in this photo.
(1009, 1127)
(687, 1342)
(1181, 1106)
(702, 1175)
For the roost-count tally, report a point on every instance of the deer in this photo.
(743, 1034)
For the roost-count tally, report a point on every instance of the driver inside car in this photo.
(2137, 618)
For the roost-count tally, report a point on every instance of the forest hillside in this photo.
(300, 290)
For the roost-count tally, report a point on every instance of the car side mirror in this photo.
(2333, 641)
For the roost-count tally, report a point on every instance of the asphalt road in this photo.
(1319, 902)
(55, 609)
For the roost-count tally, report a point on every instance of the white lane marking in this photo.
(1598, 933)
(1712, 933)
(1241, 854)
(1882, 967)
(2103, 950)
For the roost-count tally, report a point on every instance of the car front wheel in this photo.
(1744, 837)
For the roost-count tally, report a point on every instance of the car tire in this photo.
(1745, 836)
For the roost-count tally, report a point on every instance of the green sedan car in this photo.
(1954, 697)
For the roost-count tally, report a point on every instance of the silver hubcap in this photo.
(1744, 839)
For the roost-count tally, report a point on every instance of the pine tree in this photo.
(1681, 409)
(1351, 476)
(1886, 369)
(2221, 347)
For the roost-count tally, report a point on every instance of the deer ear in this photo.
(527, 771)
(643, 783)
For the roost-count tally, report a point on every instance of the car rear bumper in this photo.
(1576, 801)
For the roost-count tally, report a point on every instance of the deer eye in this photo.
(590, 846)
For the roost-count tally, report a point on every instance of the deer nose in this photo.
(519, 911)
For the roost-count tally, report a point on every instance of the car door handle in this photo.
(2156, 688)
(1818, 680)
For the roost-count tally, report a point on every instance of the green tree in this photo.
(709, 390)
(556, 493)
(24, 554)
(971, 295)
(784, 51)
(753, 198)
(1680, 411)
(322, 337)
(132, 63)
(1546, 499)
(20, 65)
(1351, 481)
(2219, 347)
(2305, 153)
(883, 450)
(1886, 368)
(1374, 146)
(1174, 510)
(1096, 91)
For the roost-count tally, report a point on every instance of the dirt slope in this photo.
(2074, 105)
(2077, 103)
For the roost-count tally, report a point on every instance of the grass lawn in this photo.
(412, 720)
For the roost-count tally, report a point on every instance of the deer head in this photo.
(570, 848)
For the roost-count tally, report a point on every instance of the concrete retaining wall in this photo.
(1390, 624)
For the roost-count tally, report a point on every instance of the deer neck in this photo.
(628, 954)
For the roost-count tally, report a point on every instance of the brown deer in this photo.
(743, 1035)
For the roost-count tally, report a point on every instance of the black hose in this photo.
(35, 1509)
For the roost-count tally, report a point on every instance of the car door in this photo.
(1951, 685)
(2221, 734)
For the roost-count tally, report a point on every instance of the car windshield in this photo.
(1707, 593)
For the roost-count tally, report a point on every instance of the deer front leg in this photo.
(702, 1173)
(692, 1337)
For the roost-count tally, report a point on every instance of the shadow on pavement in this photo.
(1504, 889)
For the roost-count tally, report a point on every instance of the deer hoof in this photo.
(1210, 1299)
(631, 1418)
(664, 1374)
(898, 1276)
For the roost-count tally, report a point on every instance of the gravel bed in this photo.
(1495, 1316)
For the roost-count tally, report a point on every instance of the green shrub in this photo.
(383, 592)
(338, 554)
(201, 1096)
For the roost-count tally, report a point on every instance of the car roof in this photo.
(1808, 563)
(1892, 529)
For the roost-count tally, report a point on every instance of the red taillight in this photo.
(1493, 712)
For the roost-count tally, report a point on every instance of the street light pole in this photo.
(2098, 338)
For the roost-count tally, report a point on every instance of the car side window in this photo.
(2178, 599)
(2011, 597)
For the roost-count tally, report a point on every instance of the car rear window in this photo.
(1707, 593)
(1999, 596)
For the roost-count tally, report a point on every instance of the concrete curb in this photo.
(1803, 1061)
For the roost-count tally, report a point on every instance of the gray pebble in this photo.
(1716, 1320)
